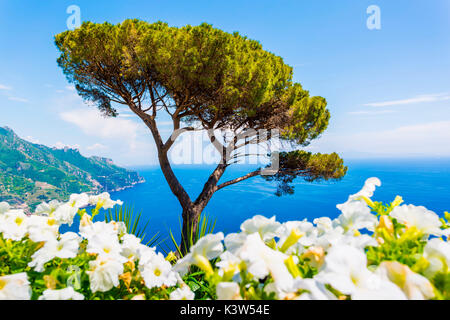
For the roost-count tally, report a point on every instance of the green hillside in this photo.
(31, 173)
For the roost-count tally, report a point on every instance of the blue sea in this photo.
(420, 182)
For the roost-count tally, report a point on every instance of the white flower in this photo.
(183, 293)
(90, 230)
(130, 246)
(426, 221)
(65, 213)
(14, 225)
(315, 290)
(66, 247)
(41, 228)
(79, 200)
(323, 225)
(103, 201)
(4, 207)
(105, 244)
(156, 271)
(327, 234)
(262, 261)
(345, 269)
(15, 287)
(415, 286)
(267, 228)
(355, 216)
(368, 188)
(437, 252)
(207, 248)
(358, 242)
(63, 294)
(104, 273)
(47, 209)
(234, 241)
(296, 234)
(228, 291)
(228, 264)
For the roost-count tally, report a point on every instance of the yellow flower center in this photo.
(2, 284)
(107, 250)
(157, 272)
(51, 222)
(18, 221)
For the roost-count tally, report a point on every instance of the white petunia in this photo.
(183, 293)
(234, 241)
(359, 242)
(62, 294)
(104, 273)
(47, 209)
(65, 213)
(15, 287)
(315, 290)
(228, 291)
(266, 228)
(294, 235)
(90, 230)
(262, 261)
(130, 247)
(156, 272)
(105, 244)
(14, 225)
(437, 253)
(207, 248)
(355, 216)
(79, 200)
(228, 265)
(4, 207)
(368, 188)
(41, 228)
(103, 201)
(415, 286)
(426, 221)
(66, 247)
(345, 269)
(323, 225)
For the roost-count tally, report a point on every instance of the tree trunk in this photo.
(191, 219)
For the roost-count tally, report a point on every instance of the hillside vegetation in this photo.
(31, 173)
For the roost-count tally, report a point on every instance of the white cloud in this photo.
(32, 140)
(426, 139)
(416, 99)
(18, 99)
(60, 145)
(370, 112)
(92, 123)
(97, 147)
(3, 87)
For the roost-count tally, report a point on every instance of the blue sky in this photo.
(388, 90)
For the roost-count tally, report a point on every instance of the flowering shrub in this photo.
(371, 251)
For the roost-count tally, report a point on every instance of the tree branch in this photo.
(247, 176)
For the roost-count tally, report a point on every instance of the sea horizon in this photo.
(422, 182)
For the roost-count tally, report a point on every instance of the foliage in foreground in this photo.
(371, 251)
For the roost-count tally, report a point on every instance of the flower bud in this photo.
(316, 255)
(203, 263)
(292, 267)
(291, 239)
(386, 224)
